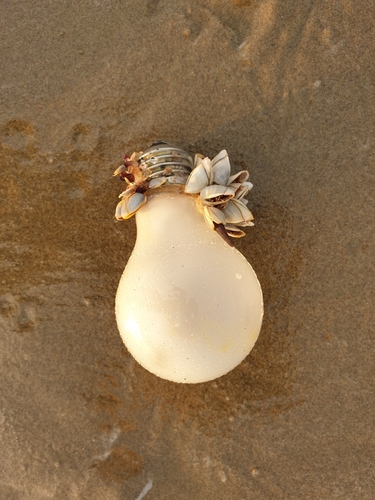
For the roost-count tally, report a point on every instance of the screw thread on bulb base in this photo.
(165, 160)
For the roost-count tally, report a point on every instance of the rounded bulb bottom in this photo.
(189, 307)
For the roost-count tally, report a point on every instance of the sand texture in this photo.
(287, 87)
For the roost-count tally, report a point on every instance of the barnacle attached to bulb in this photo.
(189, 306)
(222, 195)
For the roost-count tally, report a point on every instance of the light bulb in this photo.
(189, 306)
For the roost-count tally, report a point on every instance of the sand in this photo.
(287, 87)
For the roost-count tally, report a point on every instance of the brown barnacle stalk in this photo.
(222, 231)
(131, 171)
(136, 174)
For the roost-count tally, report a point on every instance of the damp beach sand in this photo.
(287, 88)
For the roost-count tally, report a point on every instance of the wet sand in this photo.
(288, 89)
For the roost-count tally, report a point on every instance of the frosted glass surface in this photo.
(189, 307)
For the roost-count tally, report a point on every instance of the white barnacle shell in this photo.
(212, 214)
(239, 177)
(155, 183)
(245, 223)
(235, 186)
(234, 231)
(200, 177)
(236, 212)
(128, 206)
(242, 190)
(198, 159)
(216, 194)
(128, 192)
(221, 168)
(121, 168)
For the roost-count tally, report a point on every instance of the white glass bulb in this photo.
(189, 307)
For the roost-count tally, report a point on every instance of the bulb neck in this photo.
(172, 217)
(164, 160)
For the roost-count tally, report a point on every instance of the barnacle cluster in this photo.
(136, 174)
(222, 195)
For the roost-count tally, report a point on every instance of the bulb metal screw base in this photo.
(165, 160)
